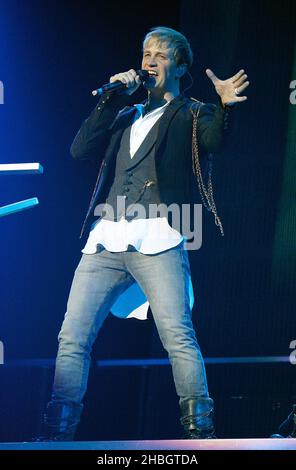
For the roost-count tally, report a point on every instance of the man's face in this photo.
(159, 58)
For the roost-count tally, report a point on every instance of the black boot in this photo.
(288, 427)
(60, 422)
(197, 418)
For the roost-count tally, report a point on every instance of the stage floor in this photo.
(212, 444)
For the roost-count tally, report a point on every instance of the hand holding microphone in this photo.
(128, 81)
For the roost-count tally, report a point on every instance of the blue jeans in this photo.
(99, 279)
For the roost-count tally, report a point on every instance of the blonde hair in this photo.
(182, 50)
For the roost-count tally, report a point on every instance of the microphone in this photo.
(118, 85)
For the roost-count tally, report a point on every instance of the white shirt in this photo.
(148, 236)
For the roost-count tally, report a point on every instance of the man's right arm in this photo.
(94, 134)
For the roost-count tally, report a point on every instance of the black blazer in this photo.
(99, 137)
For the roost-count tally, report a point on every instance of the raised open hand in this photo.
(230, 90)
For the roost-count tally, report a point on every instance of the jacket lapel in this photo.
(168, 115)
(127, 117)
(144, 148)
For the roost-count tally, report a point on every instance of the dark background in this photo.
(52, 54)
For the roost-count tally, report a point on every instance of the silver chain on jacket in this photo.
(206, 193)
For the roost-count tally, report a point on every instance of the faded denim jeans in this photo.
(98, 281)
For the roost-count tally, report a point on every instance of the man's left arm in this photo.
(214, 121)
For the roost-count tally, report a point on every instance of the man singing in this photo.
(151, 153)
